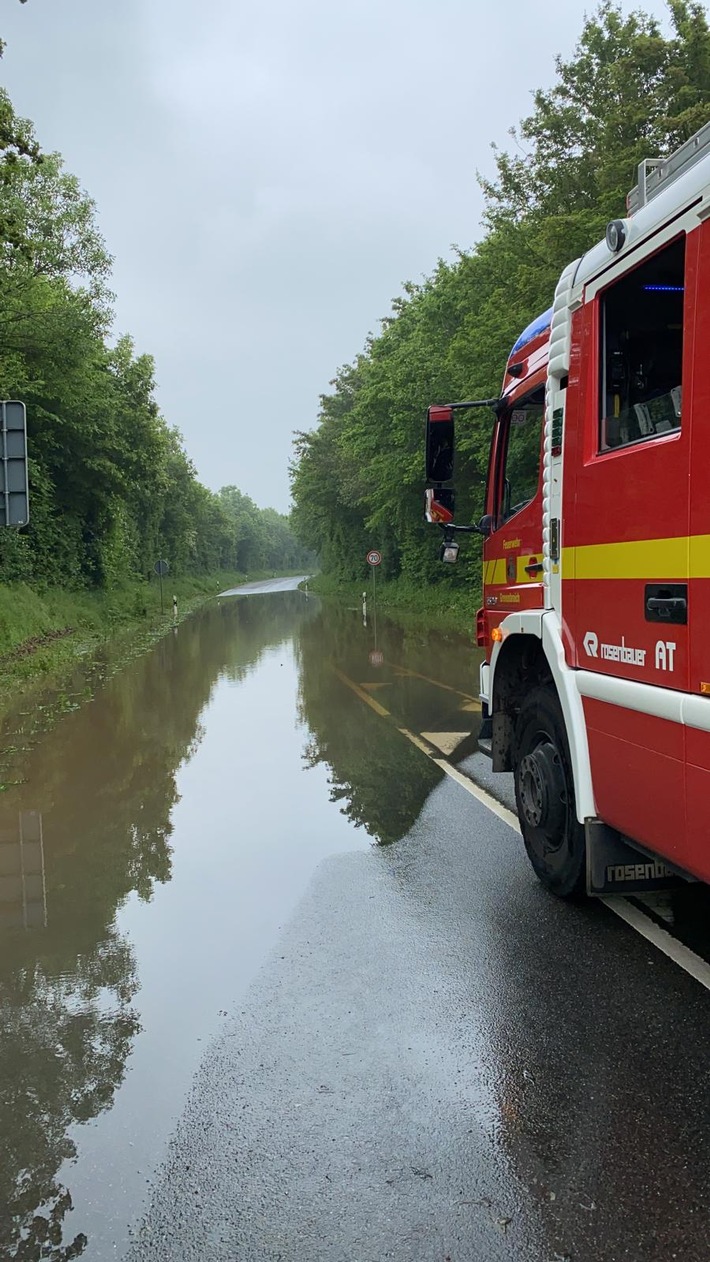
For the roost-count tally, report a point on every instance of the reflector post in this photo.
(481, 629)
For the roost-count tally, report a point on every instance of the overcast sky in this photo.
(268, 174)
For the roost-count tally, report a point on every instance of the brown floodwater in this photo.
(153, 842)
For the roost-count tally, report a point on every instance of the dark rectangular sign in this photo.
(15, 501)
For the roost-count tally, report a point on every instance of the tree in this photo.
(629, 91)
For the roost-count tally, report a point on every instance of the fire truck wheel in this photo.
(544, 792)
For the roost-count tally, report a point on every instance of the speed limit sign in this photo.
(374, 557)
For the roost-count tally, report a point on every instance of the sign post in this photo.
(374, 558)
(161, 568)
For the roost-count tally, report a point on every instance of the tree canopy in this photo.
(112, 488)
(630, 90)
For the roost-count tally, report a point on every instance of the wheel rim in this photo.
(543, 796)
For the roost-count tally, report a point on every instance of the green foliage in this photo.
(111, 486)
(261, 539)
(629, 91)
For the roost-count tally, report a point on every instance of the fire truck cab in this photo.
(596, 557)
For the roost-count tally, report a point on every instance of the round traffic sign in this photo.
(376, 657)
(161, 568)
(374, 557)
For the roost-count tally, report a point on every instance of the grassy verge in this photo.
(44, 632)
(434, 605)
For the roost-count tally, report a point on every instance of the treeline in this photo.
(112, 488)
(630, 91)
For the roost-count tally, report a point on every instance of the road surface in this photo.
(266, 586)
(288, 988)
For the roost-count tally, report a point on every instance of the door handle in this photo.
(535, 567)
(666, 608)
(667, 602)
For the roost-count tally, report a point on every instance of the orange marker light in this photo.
(705, 689)
(497, 636)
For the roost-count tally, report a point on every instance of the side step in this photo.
(485, 736)
(615, 865)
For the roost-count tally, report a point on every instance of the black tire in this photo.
(544, 794)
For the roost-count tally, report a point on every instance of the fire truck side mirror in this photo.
(440, 505)
(485, 525)
(440, 444)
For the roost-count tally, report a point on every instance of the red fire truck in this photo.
(596, 573)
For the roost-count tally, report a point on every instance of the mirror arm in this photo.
(451, 529)
(495, 404)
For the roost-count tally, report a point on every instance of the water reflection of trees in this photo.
(380, 778)
(104, 781)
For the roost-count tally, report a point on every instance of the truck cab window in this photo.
(522, 454)
(642, 351)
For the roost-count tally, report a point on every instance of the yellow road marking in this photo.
(434, 754)
(446, 742)
(414, 674)
(360, 692)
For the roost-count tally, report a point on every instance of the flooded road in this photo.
(160, 836)
(273, 986)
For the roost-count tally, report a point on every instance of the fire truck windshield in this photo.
(523, 438)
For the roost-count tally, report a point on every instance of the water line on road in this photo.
(415, 674)
(632, 915)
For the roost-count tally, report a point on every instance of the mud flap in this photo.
(614, 866)
(485, 735)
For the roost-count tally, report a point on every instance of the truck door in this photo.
(697, 737)
(625, 531)
(512, 568)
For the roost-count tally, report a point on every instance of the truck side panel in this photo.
(638, 768)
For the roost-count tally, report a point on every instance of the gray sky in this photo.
(267, 176)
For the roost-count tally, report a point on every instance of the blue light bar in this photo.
(538, 326)
(665, 289)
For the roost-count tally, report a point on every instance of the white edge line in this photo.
(676, 951)
(660, 938)
(495, 807)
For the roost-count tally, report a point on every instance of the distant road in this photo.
(265, 586)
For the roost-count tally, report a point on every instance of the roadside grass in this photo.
(427, 606)
(45, 631)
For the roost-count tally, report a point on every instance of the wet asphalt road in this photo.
(441, 1062)
(342, 1021)
(266, 586)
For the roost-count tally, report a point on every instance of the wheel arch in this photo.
(531, 654)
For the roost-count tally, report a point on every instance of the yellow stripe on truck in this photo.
(496, 572)
(679, 559)
(523, 576)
